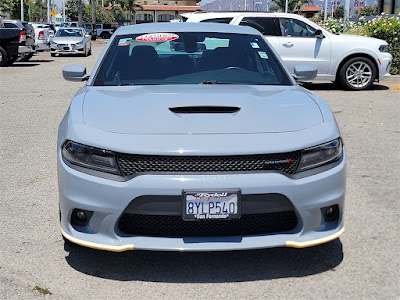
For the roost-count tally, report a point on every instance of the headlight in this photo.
(53, 43)
(384, 48)
(90, 157)
(320, 155)
(79, 43)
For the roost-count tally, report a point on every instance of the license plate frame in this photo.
(225, 195)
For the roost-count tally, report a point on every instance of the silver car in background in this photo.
(195, 137)
(42, 36)
(71, 41)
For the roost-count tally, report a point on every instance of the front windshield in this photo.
(69, 32)
(190, 58)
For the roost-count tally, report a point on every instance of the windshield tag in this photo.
(124, 42)
(157, 37)
(254, 45)
(263, 54)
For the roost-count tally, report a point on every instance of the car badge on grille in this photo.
(281, 161)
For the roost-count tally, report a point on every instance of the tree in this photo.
(13, 7)
(80, 13)
(292, 5)
(339, 12)
(371, 10)
(130, 6)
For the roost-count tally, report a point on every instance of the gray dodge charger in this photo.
(195, 137)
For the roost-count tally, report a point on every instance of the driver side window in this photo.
(296, 28)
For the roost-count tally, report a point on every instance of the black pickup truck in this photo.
(17, 38)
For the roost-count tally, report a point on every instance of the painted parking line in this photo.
(394, 88)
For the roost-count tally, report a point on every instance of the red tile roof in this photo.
(310, 8)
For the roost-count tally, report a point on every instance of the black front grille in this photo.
(174, 226)
(132, 164)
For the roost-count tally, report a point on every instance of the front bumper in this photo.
(108, 199)
(55, 49)
(384, 65)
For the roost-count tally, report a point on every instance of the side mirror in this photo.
(87, 35)
(75, 73)
(305, 72)
(318, 34)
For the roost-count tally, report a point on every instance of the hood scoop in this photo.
(204, 109)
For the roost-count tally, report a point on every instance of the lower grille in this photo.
(174, 226)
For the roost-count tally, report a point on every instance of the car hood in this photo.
(357, 39)
(147, 109)
(67, 40)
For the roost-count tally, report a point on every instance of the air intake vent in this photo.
(204, 109)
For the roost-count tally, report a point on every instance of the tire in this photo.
(357, 74)
(12, 59)
(25, 57)
(106, 35)
(3, 57)
(90, 51)
(85, 54)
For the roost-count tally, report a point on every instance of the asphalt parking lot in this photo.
(362, 264)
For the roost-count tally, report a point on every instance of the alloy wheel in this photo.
(359, 74)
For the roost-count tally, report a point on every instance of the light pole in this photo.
(64, 10)
(346, 16)
(286, 6)
(325, 10)
(155, 11)
(22, 10)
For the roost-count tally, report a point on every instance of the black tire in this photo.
(105, 35)
(354, 79)
(25, 57)
(53, 54)
(90, 51)
(3, 57)
(12, 59)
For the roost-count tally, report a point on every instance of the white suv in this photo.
(353, 61)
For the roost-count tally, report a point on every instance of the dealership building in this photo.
(389, 6)
(163, 11)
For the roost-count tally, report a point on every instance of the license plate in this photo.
(211, 205)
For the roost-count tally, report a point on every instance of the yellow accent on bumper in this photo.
(95, 245)
(314, 242)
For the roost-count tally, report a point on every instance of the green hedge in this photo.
(382, 27)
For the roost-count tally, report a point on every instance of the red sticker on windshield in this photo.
(157, 37)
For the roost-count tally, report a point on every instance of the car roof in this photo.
(225, 14)
(69, 28)
(185, 27)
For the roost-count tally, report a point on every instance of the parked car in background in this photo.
(90, 29)
(52, 30)
(355, 62)
(195, 137)
(20, 42)
(71, 41)
(106, 30)
(42, 36)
